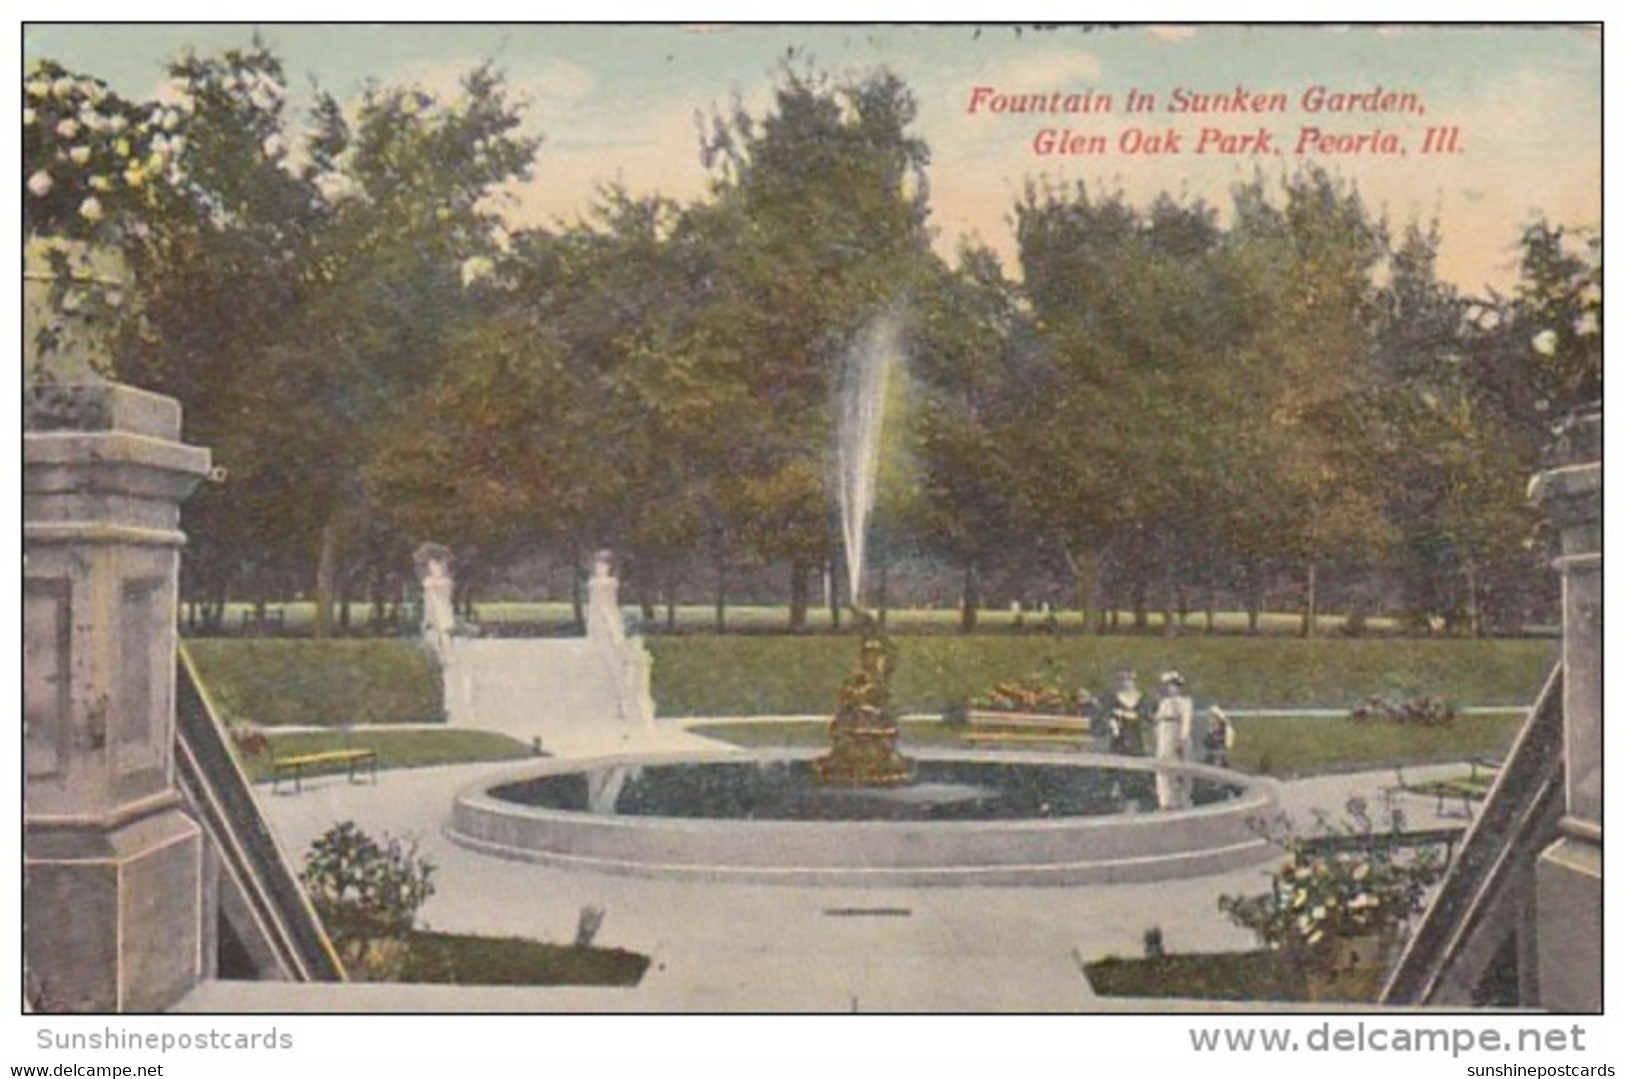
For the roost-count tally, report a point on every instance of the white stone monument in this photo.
(626, 660)
(439, 611)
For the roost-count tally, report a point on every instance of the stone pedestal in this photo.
(112, 866)
(1568, 875)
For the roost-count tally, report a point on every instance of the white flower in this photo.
(41, 183)
(67, 128)
(1586, 325)
(170, 120)
(91, 209)
(476, 268)
(118, 123)
(37, 88)
(29, 116)
(62, 87)
(122, 147)
(98, 182)
(272, 146)
(1545, 342)
(135, 176)
(79, 155)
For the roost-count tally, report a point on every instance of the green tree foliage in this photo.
(1454, 477)
(1157, 399)
(818, 216)
(290, 300)
(967, 356)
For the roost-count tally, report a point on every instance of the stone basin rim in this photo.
(1258, 792)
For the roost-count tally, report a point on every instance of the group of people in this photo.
(1124, 717)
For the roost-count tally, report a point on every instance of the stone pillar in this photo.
(112, 866)
(1568, 874)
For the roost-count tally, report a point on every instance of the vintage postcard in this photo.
(800, 518)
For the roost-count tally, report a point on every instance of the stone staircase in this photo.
(567, 692)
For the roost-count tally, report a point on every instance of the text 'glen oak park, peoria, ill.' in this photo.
(1318, 121)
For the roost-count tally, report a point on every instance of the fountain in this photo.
(862, 813)
(863, 735)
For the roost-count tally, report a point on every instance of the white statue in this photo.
(439, 613)
(626, 660)
(603, 603)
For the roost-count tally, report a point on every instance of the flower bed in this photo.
(1414, 711)
(1324, 898)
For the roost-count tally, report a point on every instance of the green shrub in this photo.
(368, 894)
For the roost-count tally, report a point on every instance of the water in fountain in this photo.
(864, 733)
(863, 408)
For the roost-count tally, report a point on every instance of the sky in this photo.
(619, 103)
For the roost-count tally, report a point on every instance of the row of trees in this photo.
(1167, 404)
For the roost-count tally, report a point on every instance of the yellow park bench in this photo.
(1026, 728)
(352, 761)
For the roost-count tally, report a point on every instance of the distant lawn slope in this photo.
(745, 675)
(278, 683)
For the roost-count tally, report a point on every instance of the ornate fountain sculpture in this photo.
(863, 734)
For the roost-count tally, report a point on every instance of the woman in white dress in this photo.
(1173, 719)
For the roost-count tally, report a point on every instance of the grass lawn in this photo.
(1290, 746)
(1259, 975)
(395, 749)
(782, 675)
(1281, 746)
(275, 683)
(272, 682)
(456, 959)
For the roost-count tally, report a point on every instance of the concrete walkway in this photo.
(736, 948)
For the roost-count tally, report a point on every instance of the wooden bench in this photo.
(1017, 728)
(1466, 791)
(352, 761)
(1444, 838)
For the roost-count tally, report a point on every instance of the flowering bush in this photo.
(367, 893)
(1041, 693)
(89, 156)
(250, 741)
(1421, 711)
(1346, 882)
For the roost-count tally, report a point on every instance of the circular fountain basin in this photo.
(966, 819)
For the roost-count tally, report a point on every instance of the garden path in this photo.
(733, 948)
